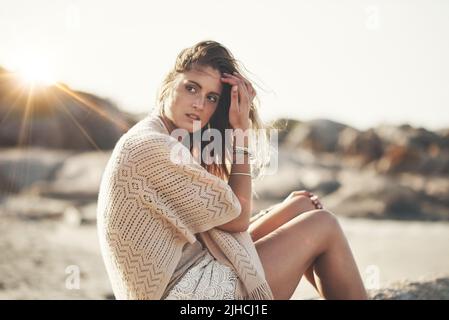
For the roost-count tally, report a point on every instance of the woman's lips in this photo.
(192, 117)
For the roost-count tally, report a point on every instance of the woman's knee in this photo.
(300, 203)
(326, 221)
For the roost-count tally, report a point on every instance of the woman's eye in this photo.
(191, 89)
(213, 99)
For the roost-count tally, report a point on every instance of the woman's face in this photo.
(194, 97)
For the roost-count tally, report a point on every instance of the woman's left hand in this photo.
(239, 115)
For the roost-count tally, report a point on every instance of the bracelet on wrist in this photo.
(242, 150)
(240, 174)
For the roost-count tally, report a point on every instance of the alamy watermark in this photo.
(213, 151)
(372, 21)
(372, 277)
(72, 281)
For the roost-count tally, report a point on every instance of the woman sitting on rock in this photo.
(176, 224)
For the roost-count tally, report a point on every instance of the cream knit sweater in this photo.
(149, 206)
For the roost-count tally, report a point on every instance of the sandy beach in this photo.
(392, 251)
(40, 259)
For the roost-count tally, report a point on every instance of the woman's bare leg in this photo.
(312, 237)
(278, 215)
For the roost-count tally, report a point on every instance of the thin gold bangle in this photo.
(240, 173)
(242, 150)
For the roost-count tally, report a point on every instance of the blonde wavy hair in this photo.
(215, 55)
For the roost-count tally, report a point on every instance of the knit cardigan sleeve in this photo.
(172, 183)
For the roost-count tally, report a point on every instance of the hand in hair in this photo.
(242, 95)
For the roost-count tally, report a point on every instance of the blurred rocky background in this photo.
(55, 142)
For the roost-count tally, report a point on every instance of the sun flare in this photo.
(34, 71)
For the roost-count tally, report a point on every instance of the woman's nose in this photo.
(199, 103)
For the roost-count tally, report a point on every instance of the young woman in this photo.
(173, 225)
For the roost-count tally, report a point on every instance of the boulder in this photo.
(284, 127)
(279, 186)
(58, 117)
(30, 207)
(78, 178)
(365, 146)
(20, 168)
(409, 149)
(364, 194)
(431, 288)
(318, 135)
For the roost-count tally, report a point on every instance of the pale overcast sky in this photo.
(358, 62)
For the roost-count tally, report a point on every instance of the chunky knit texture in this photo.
(151, 203)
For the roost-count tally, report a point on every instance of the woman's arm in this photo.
(241, 186)
(242, 94)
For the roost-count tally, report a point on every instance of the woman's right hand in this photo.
(313, 198)
(242, 95)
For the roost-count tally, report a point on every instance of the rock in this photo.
(438, 188)
(78, 178)
(444, 135)
(279, 186)
(80, 215)
(388, 149)
(284, 127)
(109, 296)
(409, 149)
(365, 147)
(58, 117)
(436, 288)
(364, 194)
(319, 180)
(20, 168)
(406, 135)
(89, 214)
(399, 159)
(355, 192)
(33, 208)
(326, 187)
(72, 216)
(7, 185)
(317, 135)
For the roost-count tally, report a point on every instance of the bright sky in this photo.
(354, 61)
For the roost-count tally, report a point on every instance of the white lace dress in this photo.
(206, 280)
